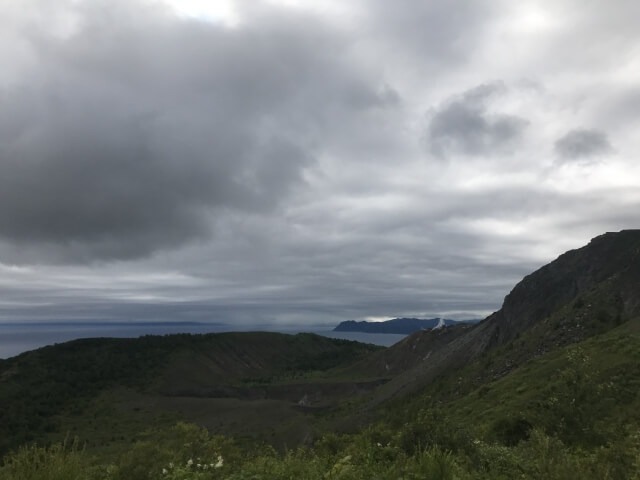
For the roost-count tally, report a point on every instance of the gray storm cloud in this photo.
(466, 125)
(130, 132)
(582, 143)
(438, 32)
(310, 162)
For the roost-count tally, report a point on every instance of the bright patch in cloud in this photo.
(532, 18)
(218, 11)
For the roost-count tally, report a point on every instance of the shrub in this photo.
(58, 462)
(510, 430)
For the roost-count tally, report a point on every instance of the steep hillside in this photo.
(410, 352)
(583, 292)
(582, 392)
(608, 268)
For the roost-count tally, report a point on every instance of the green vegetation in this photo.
(572, 413)
(108, 390)
(188, 452)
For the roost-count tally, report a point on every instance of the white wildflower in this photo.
(189, 463)
(220, 462)
(164, 471)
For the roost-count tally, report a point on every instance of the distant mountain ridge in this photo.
(398, 325)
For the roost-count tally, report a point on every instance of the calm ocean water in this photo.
(16, 338)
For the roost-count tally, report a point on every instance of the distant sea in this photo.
(16, 338)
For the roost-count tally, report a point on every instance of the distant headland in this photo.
(398, 325)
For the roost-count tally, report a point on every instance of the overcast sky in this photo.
(284, 162)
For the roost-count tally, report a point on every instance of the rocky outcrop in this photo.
(609, 262)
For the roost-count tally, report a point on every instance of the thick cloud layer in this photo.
(282, 162)
(465, 126)
(582, 143)
(132, 129)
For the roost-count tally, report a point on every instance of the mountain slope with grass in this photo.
(582, 293)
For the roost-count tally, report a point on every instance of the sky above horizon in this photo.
(289, 162)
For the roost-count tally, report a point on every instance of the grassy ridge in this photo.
(44, 391)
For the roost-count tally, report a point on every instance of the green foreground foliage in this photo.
(187, 452)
